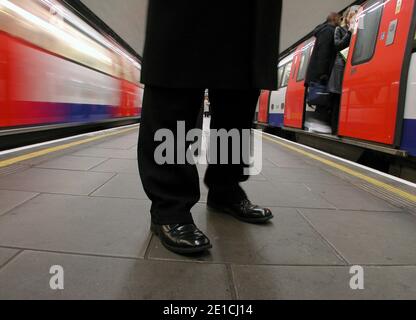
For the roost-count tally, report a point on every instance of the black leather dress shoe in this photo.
(182, 238)
(244, 211)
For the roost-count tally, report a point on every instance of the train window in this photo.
(304, 62)
(279, 76)
(286, 74)
(368, 29)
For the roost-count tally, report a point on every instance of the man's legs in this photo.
(172, 188)
(230, 109)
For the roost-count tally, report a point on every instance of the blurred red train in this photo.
(57, 69)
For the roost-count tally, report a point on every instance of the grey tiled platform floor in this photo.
(85, 209)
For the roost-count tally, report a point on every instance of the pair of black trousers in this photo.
(174, 188)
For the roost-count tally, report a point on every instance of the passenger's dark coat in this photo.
(342, 39)
(231, 44)
(323, 56)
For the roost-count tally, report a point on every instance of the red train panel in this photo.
(4, 75)
(129, 103)
(369, 107)
(263, 116)
(295, 95)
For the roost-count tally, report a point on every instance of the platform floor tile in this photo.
(350, 198)
(374, 238)
(11, 199)
(284, 194)
(117, 166)
(107, 153)
(126, 186)
(6, 254)
(301, 175)
(71, 163)
(122, 143)
(55, 181)
(86, 277)
(86, 225)
(322, 283)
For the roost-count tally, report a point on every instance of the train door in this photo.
(373, 75)
(263, 115)
(295, 94)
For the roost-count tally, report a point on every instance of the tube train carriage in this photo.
(56, 69)
(378, 108)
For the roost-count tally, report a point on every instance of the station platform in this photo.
(78, 203)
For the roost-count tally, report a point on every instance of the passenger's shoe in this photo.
(244, 211)
(182, 238)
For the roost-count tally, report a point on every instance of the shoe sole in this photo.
(247, 220)
(185, 251)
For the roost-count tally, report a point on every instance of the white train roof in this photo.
(286, 59)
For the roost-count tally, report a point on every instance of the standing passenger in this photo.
(177, 68)
(322, 60)
(342, 41)
(206, 107)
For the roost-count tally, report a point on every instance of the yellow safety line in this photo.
(36, 154)
(403, 194)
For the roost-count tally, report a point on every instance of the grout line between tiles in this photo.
(10, 259)
(231, 280)
(102, 185)
(20, 204)
(338, 254)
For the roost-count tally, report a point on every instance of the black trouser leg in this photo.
(335, 108)
(322, 113)
(230, 109)
(172, 188)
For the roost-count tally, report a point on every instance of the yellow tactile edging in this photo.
(43, 152)
(401, 193)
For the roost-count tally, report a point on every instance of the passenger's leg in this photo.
(233, 110)
(230, 110)
(172, 188)
(322, 113)
(335, 104)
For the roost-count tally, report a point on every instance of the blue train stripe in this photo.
(409, 136)
(276, 119)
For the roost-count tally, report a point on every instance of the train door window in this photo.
(279, 75)
(304, 62)
(286, 74)
(368, 29)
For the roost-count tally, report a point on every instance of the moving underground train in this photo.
(56, 70)
(378, 107)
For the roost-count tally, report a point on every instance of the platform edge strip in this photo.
(403, 194)
(43, 152)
